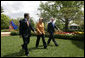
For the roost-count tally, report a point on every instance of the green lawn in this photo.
(11, 47)
(5, 30)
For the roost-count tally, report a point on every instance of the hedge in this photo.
(59, 36)
(14, 33)
(71, 37)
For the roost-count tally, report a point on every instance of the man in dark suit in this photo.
(51, 29)
(25, 31)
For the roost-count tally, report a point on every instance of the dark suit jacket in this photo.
(24, 30)
(51, 28)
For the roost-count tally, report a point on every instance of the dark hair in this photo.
(26, 14)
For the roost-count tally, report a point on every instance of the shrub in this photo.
(72, 37)
(79, 36)
(17, 29)
(60, 36)
(14, 33)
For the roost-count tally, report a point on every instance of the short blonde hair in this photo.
(41, 18)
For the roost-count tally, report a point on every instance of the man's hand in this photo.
(35, 32)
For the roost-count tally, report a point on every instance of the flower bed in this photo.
(70, 35)
(61, 35)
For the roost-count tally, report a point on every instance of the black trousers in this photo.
(51, 37)
(26, 41)
(43, 39)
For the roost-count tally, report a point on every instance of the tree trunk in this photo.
(66, 25)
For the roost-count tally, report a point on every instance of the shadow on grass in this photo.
(17, 54)
(79, 44)
(34, 48)
(51, 45)
(21, 52)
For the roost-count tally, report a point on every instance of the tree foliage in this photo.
(4, 21)
(64, 11)
(2, 10)
(32, 22)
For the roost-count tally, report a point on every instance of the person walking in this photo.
(51, 29)
(25, 32)
(40, 33)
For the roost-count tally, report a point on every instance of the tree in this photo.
(4, 21)
(32, 22)
(2, 10)
(64, 11)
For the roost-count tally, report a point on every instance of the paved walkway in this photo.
(5, 33)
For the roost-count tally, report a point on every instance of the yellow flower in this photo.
(79, 32)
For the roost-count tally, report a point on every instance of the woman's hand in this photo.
(40, 32)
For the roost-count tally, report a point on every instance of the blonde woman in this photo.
(40, 33)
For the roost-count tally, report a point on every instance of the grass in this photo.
(5, 30)
(11, 47)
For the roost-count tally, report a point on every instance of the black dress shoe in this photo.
(36, 46)
(27, 54)
(22, 47)
(45, 47)
(56, 45)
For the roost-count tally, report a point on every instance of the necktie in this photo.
(28, 23)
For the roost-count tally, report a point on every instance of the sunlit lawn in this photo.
(11, 47)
